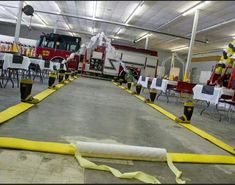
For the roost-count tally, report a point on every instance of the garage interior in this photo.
(117, 92)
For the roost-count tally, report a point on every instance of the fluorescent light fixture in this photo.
(136, 10)
(39, 18)
(142, 37)
(119, 31)
(70, 26)
(179, 49)
(57, 6)
(191, 10)
(94, 9)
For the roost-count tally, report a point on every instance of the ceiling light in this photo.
(178, 49)
(144, 36)
(57, 6)
(191, 10)
(119, 31)
(70, 26)
(137, 9)
(233, 37)
(94, 9)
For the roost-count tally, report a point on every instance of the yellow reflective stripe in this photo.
(53, 75)
(26, 81)
(192, 128)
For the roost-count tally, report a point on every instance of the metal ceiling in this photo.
(162, 18)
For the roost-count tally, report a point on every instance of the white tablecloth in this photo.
(40, 62)
(8, 62)
(143, 83)
(163, 86)
(214, 98)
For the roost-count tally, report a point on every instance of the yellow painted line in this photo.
(65, 148)
(19, 108)
(190, 127)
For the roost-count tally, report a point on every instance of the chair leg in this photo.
(9, 77)
(17, 78)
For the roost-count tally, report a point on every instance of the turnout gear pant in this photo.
(51, 80)
(188, 112)
(129, 85)
(61, 76)
(152, 95)
(25, 91)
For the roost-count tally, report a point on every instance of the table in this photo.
(12, 63)
(214, 98)
(211, 98)
(143, 81)
(165, 87)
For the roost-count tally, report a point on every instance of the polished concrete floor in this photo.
(96, 110)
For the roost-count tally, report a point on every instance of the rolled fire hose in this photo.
(117, 151)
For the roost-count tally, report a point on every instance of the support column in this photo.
(186, 73)
(18, 23)
(146, 42)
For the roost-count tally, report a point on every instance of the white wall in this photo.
(197, 67)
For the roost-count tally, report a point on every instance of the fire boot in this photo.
(188, 112)
(129, 85)
(61, 76)
(51, 81)
(138, 88)
(152, 94)
(25, 91)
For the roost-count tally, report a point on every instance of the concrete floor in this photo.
(96, 110)
(208, 121)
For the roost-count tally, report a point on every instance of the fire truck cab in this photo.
(56, 48)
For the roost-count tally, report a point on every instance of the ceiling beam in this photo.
(111, 22)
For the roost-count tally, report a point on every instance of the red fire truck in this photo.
(56, 48)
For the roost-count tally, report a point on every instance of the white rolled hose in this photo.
(121, 151)
(128, 152)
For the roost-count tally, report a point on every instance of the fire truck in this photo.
(101, 58)
(56, 48)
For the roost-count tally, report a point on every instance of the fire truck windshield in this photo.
(61, 42)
